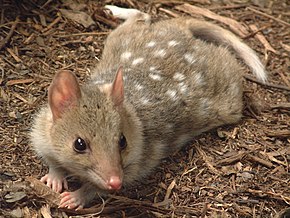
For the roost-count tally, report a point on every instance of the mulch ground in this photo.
(234, 171)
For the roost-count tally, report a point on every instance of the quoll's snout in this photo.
(114, 183)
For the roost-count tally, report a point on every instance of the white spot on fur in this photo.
(126, 55)
(178, 76)
(144, 101)
(139, 86)
(171, 93)
(105, 88)
(137, 61)
(198, 78)
(126, 42)
(151, 44)
(162, 32)
(182, 87)
(172, 43)
(153, 69)
(155, 77)
(169, 126)
(160, 53)
(234, 89)
(99, 82)
(189, 58)
(205, 104)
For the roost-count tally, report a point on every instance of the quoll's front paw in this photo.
(56, 182)
(72, 200)
(79, 198)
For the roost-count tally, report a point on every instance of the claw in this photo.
(72, 200)
(54, 181)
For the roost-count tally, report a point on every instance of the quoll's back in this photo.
(179, 85)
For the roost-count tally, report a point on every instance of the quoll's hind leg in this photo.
(128, 14)
(55, 180)
(79, 198)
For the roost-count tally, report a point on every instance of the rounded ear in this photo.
(63, 93)
(117, 90)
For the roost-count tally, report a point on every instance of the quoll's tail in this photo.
(212, 33)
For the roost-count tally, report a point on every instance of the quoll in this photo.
(157, 85)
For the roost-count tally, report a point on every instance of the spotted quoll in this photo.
(156, 86)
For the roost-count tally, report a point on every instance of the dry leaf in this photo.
(79, 17)
(45, 211)
(169, 189)
(16, 213)
(14, 196)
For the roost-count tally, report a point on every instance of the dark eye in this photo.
(80, 145)
(122, 142)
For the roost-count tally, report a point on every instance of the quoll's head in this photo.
(87, 131)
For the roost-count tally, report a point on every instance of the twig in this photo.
(232, 159)
(56, 20)
(271, 85)
(7, 38)
(277, 196)
(106, 21)
(16, 58)
(204, 210)
(16, 95)
(172, 14)
(123, 203)
(19, 81)
(255, 32)
(271, 157)
(268, 16)
(234, 25)
(241, 211)
(226, 7)
(285, 79)
(83, 34)
(132, 4)
(78, 41)
(259, 160)
(278, 133)
(206, 159)
(5, 24)
(262, 39)
(45, 4)
(285, 46)
(281, 106)
(169, 190)
(243, 155)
